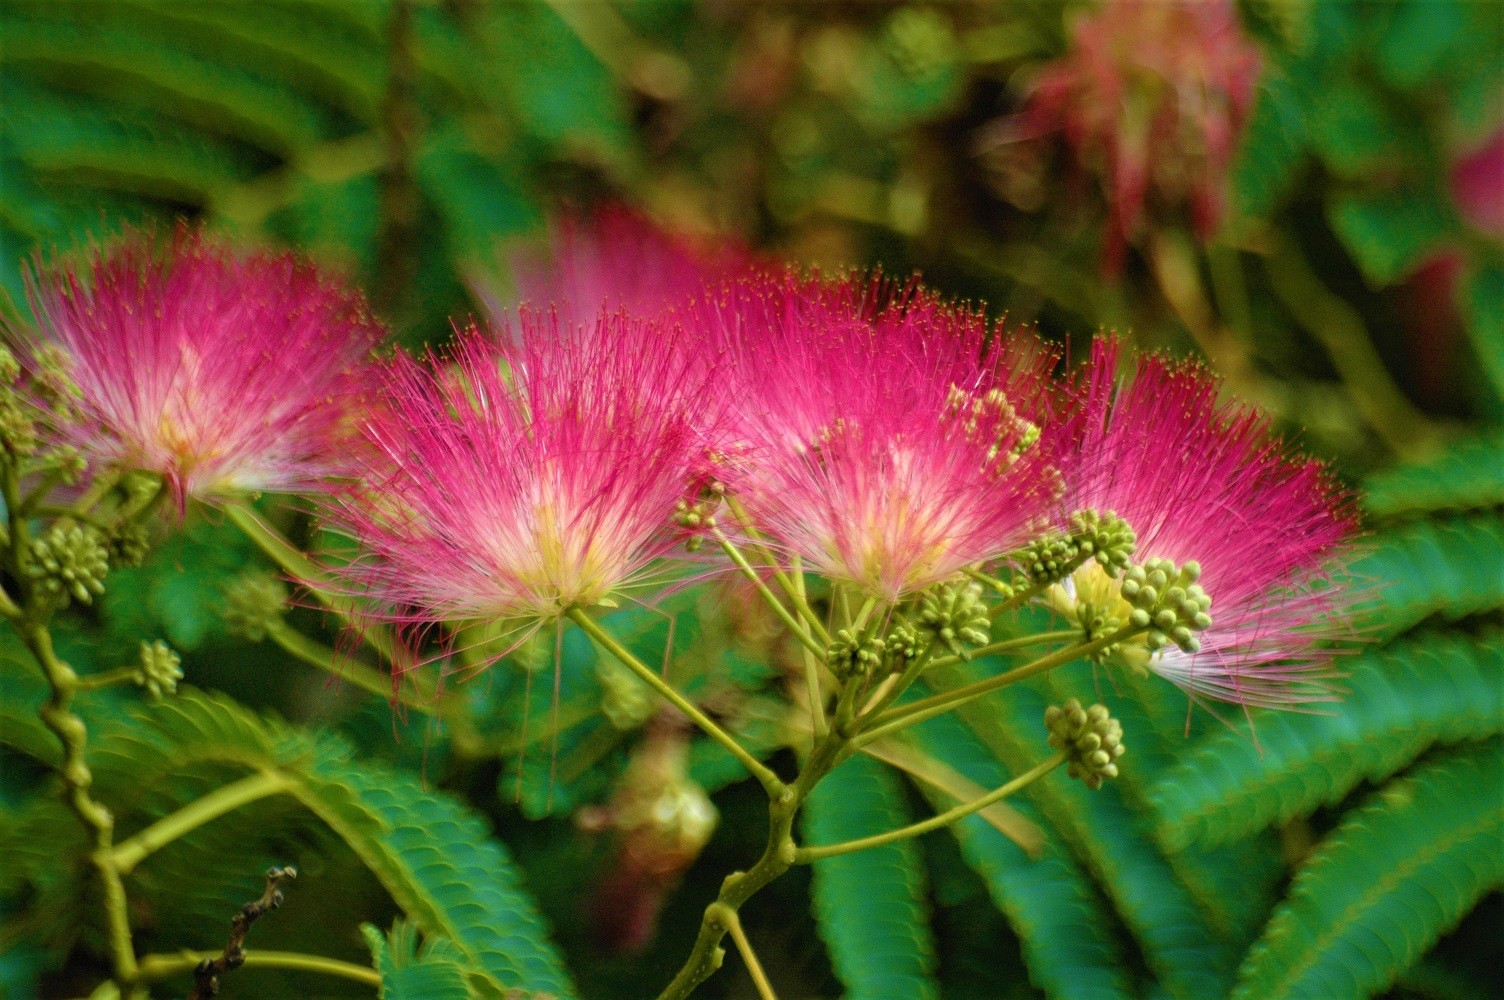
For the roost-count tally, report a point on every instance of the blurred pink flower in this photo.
(521, 477)
(879, 433)
(614, 259)
(222, 370)
(1153, 96)
(1478, 186)
(1206, 482)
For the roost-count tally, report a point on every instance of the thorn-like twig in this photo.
(206, 974)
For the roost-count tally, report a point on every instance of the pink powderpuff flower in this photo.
(615, 259)
(221, 370)
(1152, 96)
(879, 433)
(525, 475)
(1203, 481)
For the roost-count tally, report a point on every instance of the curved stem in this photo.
(806, 855)
(157, 967)
(928, 708)
(608, 642)
(767, 595)
(127, 854)
(315, 654)
(733, 922)
(793, 587)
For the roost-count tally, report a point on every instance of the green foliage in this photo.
(1452, 567)
(1468, 474)
(1429, 688)
(870, 905)
(1396, 873)
(436, 971)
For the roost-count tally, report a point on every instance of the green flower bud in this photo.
(954, 615)
(1168, 597)
(129, 544)
(1090, 738)
(855, 653)
(161, 669)
(69, 561)
(253, 603)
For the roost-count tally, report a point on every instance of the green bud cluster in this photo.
(1100, 535)
(18, 428)
(699, 515)
(904, 643)
(69, 561)
(1169, 602)
(128, 544)
(253, 603)
(851, 653)
(955, 616)
(626, 701)
(160, 669)
(1090, 738)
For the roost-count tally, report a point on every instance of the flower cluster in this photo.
(913, 456)
(1152, 96)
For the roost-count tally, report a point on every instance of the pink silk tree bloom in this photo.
(615, 259)
(1152, 96)
(1204, 481)
(221, 370)
(524, 475)
(879, 433)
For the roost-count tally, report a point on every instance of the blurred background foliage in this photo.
(1353, 284)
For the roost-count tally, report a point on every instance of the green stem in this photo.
(56, 715)
(120, 675)
(733, 922)
(806, 855)
(315, 654)
(767, 595)
(607, 641)
(794, 590)
(304, 570)
(158, 967)
(814, 690)
(927, 708)
(127, 854)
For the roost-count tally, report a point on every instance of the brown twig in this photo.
(206, 974)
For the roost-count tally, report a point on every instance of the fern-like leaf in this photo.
(1434, 688)
(1468, 475)
(1394, 876)
(870, 905)
(436, 971)
(1452, 568)
(1063, 922)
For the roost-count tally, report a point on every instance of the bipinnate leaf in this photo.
(435, 859)
(1452, 567)
(870, 905)
(1396, 874)
(436, 971)
(1469, 474)
(1064, 924)
(1427, 689)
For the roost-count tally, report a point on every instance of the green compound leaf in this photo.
(1429, 689)
(1451, 567)
(870, 905)
(1065, 926)
(435, 859)
(1395, 875)
(1388, 234)
(1102, 830)
(1468, 475)
(436, 971)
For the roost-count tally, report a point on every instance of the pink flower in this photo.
(1477, 181)
(218, 369)
(879, 433)
(616, 259)
(1205, 482)
(524, 476)
(1153, 96)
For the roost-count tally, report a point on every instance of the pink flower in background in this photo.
(1478, 186)
(616, 259)
(522, 476)
(223, 371)
(1152, 96)
(1203, 481)
(878, 433)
